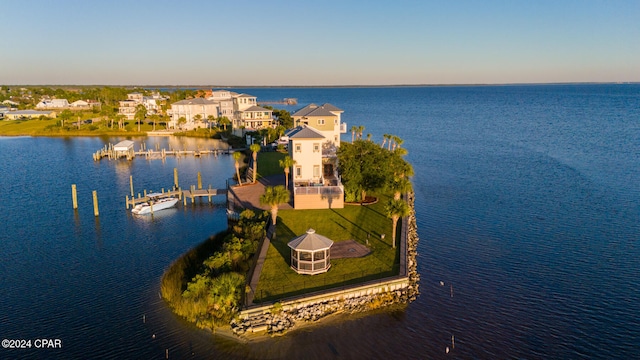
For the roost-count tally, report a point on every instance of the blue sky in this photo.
(251, 42)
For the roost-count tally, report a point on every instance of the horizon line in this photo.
(193, 86)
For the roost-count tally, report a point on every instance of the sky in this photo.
(318, 43)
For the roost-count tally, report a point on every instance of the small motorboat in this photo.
(155, 202)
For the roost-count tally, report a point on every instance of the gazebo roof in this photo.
(310, 242)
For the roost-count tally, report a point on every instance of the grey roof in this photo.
(256, 108)
(304, 132)
(312, 109)
(310, 242)
(195, 101)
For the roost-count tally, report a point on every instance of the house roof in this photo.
(310, 242)
(304, 132)
(325, 109)
(256, 108)
(195, 101)
(331, 107)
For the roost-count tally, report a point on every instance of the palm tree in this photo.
(254, 153)
(181, 121)
(155, 118)
(400, 185)
(354, 129)
(360, 130)
(210, 119)
(398, 142)
(396, 209)
(141, 114)
(236, 156)
(224, 121)
(287, 163)
(384, 140)
(274, 196)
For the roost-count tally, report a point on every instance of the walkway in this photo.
(248, 195)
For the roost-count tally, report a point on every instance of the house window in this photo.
(297, 147)
(298, 171)
(320, 121)
(316, 147)
(316, 171)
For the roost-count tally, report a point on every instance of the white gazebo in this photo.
(310, 253)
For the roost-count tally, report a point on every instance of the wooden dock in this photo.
(181, 194)
(110, 153)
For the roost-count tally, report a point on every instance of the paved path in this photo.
(248, 195)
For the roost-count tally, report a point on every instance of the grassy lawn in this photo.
(268, 163)
(37, 127)
(278, 280)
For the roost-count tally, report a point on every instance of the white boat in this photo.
(156, 202)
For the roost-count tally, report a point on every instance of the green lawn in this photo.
(268, 163)
(278, 280)
(49, 127)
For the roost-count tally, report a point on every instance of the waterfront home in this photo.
(189, 109)
(241, 109)
(127, 108)
(255, 118)
(324, 118)
(29, 114)
(316, 184)
(152, 103)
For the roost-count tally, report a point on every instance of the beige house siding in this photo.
(318, 198)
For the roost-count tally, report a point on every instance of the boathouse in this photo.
(123, 148)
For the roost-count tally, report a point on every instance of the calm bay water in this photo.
(528, 207)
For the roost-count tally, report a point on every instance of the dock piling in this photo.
(175, 177)
(95, 203)
(74, 196)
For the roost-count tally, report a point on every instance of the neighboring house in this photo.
(127, 108)
(225, 99)
(151, 103)
(29, 114)
(79, 104)
(11, 103)
(315, 182)
(189, 109)
(85, 104)
(3, 110)
(256, 117)
(53, 104)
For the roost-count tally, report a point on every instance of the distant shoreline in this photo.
(188, 86)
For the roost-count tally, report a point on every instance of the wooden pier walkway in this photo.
(110, 153)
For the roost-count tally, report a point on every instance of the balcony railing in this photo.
(318, 190)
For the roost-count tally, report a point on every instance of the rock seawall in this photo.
(281, 317)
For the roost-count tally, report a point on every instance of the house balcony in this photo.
(343, 128)
(310, 195)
